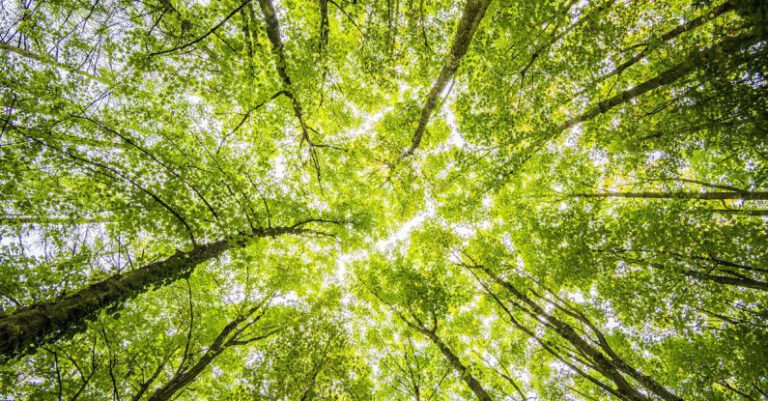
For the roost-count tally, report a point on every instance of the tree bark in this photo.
(694, 62)
(679, 195)
(281, 64)
(611, 367)
(747, 212)
(744, 282)
(224, 340)
(474, 11)
(46, 322)
(324, 30)
(670, 35)
(455, 362)
(620, 393)
(275, 38)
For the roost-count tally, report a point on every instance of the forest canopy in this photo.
(384, 200)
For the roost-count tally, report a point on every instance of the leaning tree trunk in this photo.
(46, 322)
(227, 338)
(474, 11)
(431, 333)
(735, 195)
(728, 47)
(622, 391)
(611, 366)
(669, 36)
(738, 281)
(281, 62)
(459, 367)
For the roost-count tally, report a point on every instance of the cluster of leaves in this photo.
(378, 199)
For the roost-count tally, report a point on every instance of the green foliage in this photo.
(587, 206)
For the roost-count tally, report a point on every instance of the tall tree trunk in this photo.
(679, 195)
(323, 27)
(455, 362)
(742, 281)
(225, 339)
(46, 322)
(668, 36)
(746, 212)
(714, 269)
(281, 64)
(629, 394)
(474, 11)
(611, 366)
(729, 46)
(452, 358)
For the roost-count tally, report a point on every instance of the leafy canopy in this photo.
(383, 200)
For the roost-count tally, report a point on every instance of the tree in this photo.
(374, 200)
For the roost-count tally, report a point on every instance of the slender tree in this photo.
(474, 11)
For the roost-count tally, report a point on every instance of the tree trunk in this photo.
(323, 27)
(46, 322)
(679, 195)
(186, 376)
(746, 212)
(670, 35)
(694, 62)
(455, 362)
(474, 11)
(609, 367)
(621, 393)
(744, 282)
(281, 64)
(182, 380)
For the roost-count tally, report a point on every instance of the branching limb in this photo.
(205, 35)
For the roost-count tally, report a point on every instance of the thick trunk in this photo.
(45, 322)
(48, 321)
(744, 282)
(680, 195)
(696, 61)
(474, 11)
